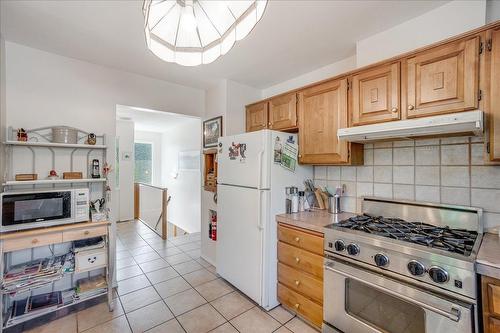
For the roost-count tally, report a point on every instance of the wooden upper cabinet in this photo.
(443, 79)
(493, 59)
(257, 116)
(323, 110)
(283, 112)
(376, 95)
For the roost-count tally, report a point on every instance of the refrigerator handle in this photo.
(259, 160)
(259, 211)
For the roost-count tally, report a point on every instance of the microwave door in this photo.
(21, 209)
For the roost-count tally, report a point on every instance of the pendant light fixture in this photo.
(194, 32)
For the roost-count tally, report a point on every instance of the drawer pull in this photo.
(34, 241)
(297, 282)
(92, 260)
(297, 305)
(297, 259)
(297, 239)
(86, 232)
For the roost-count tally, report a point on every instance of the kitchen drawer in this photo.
(84, 233)
(301, 239)
(300, 259)
(90, 260)
(494, 298)
(32, 241)
(303, 306)
(301, 282)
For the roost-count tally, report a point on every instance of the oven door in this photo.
(361, 301)
(24, 210)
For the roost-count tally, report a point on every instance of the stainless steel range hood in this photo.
(469, 122)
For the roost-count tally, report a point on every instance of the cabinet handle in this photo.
(297, 239)
(394, 109)
(297, 282)
(410, 107)
(297, 305)
(86, 232)
(300, 155)
(34, 241)
(297, 259)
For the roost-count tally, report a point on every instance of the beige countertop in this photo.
(488, 258)
(312, 220)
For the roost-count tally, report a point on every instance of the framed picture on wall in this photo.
(212, 130)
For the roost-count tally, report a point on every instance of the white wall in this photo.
(45, 89)
(156, 139)
(319, 74)
(125, 188)
(3, 108)
(492, 10)
(443, 22)
(238, 95)
(184, 207)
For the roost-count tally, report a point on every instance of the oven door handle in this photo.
(453, 315)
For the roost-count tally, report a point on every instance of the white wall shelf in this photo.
(54, 181)
(53, 145)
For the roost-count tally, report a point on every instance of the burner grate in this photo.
(459, 241)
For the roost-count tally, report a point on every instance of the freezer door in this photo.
(241, 220)
(243, 160)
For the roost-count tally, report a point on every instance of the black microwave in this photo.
(34, 209)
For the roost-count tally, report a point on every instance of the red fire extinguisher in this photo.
(214, 227)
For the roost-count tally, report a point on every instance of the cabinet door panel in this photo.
(283, 112)
(494, 325)
(443, 80)
(257, 116)
(322, 111)
(494, 109)
(376, 95)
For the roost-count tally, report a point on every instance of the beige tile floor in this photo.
(164, 286)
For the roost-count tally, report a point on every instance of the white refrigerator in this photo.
(250, 193)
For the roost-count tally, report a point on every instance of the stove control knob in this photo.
(339, 246)
(438, 274)
(381, 260)
(353, 249)
(416, 268)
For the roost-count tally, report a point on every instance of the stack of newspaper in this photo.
(27, 276)
(34, 306)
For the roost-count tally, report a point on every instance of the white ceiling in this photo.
(293, 37)
(151, 120)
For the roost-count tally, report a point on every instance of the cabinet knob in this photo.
(394, 109)
(410, 107)
(269, 124)
(86, 232)
(297, 282)
(297, 259)
(297, 305)
(34, 241)
(300, 155)
(297, 239)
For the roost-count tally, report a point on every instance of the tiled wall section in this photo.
(448, 170)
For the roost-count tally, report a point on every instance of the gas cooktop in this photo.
(459, 241)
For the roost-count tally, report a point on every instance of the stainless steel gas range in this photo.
(402, 267)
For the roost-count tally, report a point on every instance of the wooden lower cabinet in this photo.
(303, 306)
(490, 288)
(300, 272)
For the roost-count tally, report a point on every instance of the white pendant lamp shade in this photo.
(194, 32)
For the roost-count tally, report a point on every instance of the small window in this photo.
(143, 162)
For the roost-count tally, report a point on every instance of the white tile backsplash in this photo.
(382, 157)
(427, 155)
(455, 155)
(403, 156)
(382, 174)
(403, 174)
(455, 176)
(448, 171)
